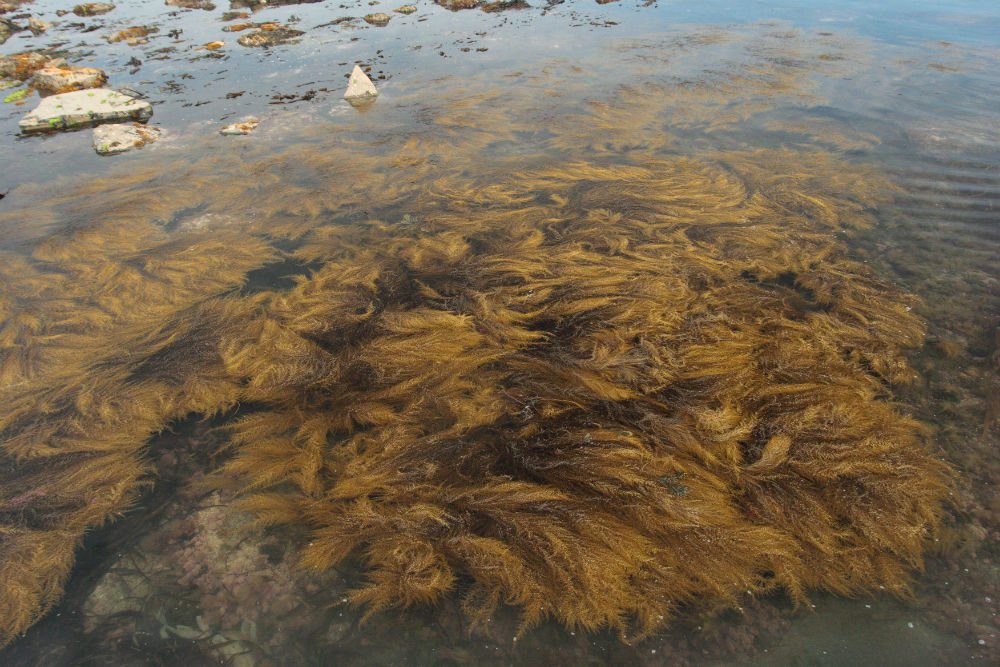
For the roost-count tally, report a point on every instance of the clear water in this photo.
(906, 90)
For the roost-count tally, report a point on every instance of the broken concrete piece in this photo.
(93, 8)
(121, 137)
(54, 80)
(360, 89)
(246, 126)
(82, 108)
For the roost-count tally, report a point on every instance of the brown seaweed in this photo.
(600, 390)
(595, 391)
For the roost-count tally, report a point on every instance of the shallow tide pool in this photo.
(639, 333)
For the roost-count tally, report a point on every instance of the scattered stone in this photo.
(378, 19)
(245, 126)
(54, 80)
(213, 46)
(360, 89)
(238, 27)
(405, 9)
(232, 16)
(269, 34)
(504, 5)
(93, 8)
(22, 66)
(455, 5)
(192, 4)
(8, 83)
(120, 137)
(8, 28)
(37, 26)
(83, 108)
(133, 36)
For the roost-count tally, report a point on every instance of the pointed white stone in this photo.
(360, 88)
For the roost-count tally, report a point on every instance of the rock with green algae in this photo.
(82, 108)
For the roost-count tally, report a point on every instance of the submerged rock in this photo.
(380, 19)
(83, 108)
(192, 4)
(360, 89)
(38, 26)
(54, 80)
(455, 5)
(8, 28)
(269, 34)
(245, 126)
(121, 137)
(93, 8)
(134, 35)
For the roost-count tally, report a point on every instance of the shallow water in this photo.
(874, 128)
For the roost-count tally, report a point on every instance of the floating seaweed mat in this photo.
(599, 391)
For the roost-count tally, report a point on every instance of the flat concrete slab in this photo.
(82, 108)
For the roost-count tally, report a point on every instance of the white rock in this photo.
(121, 137)
(84, 107)
(360, 89)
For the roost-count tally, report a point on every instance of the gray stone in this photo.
(82, 108)
(360, 89)
(121, 137)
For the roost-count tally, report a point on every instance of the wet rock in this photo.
(380, 19)
(134, 35)
(455, 5)
(269, 34)
(405, 9)
(192, 4)
(245, 126)
(54, 80)
(239, 27)
(83, 108)
(360, 89)
(213, 46)
(8, 28)
(38, 26)
(21, 66)
(504, 5)
(120, 137)
(232, 16)
(93, 8)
